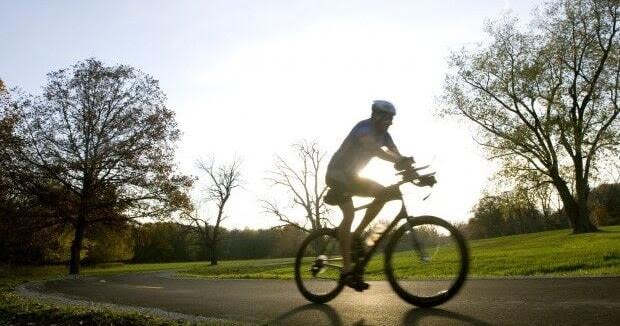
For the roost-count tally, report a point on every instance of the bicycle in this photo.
(426, 260)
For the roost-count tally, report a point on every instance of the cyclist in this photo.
(369, 138)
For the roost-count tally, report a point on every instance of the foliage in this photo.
(605, 204)
(168, 242)
(108, 244)
(510, 213)
(96, 148)
(545, 100)
(164, 242)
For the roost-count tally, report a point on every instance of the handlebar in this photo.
(411, 175)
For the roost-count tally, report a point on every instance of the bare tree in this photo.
(98, 146)
(221, 181)
(303, 180)
(546, 100)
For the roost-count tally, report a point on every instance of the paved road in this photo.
(481, 302)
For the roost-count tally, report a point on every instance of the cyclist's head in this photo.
(384, 107)
(382, 114)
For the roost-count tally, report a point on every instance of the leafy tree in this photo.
(546, 99)
(487, 221)
(99, 145)
(163, 242)
(511, 212)
(605, 204)
(111, 243)
(302, 179)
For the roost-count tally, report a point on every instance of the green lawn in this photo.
(554, 253)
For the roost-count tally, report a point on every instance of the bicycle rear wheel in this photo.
(318, 265)
(426, 261)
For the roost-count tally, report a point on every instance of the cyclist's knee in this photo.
(337, 197)
(389, 193)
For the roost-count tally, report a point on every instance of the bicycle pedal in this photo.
(355, 282)
(359, 287)
(315, 270)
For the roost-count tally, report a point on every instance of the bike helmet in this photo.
(383, 106)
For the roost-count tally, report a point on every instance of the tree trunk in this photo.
(582, 222)
(205, 245)
(216, 230)
(576, 210)
(76, 246)
(213, 254)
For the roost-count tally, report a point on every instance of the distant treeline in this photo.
(150, 242)
(493, 216)
(511, 213)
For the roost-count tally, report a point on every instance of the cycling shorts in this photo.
(343, 186)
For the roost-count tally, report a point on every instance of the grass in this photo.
(554, 253)
(547, 254)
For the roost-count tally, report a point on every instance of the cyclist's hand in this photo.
(427, 181)
(409, 174)
(404, 163)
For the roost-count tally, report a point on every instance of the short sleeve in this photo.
(362, 130)
(387, 141)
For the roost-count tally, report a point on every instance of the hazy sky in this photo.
(249, 78)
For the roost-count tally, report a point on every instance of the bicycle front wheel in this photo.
(426, 261)
(318, 266)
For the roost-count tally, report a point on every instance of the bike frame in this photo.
(360, 265)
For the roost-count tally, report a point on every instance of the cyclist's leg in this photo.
(369, 188)
(339, 194)
(344, 233)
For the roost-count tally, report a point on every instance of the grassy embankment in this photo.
(554, 253)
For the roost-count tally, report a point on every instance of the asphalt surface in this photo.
(575, 301)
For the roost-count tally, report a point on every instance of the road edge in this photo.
(29, 290)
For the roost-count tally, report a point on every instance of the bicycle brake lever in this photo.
(421, 167)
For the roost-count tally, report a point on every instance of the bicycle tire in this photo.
(459, 280)
(299, 260)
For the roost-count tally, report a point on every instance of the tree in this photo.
(303, 181)
(546, 100)
(163, 242)
(487, 220)
(99, 143)
(529, 187)
(605, 204)
(222, 180)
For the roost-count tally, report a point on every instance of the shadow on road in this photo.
(310, 314)
(321, 314)
(418, 316)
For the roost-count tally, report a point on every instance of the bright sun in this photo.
(379, 171)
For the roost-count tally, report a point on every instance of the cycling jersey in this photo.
(353, 155)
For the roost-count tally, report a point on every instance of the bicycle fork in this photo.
(415, 240)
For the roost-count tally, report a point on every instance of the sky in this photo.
(249, 78)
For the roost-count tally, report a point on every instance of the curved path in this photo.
(481, 302)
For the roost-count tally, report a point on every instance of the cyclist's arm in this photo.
(389, 143)
(371, 145)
